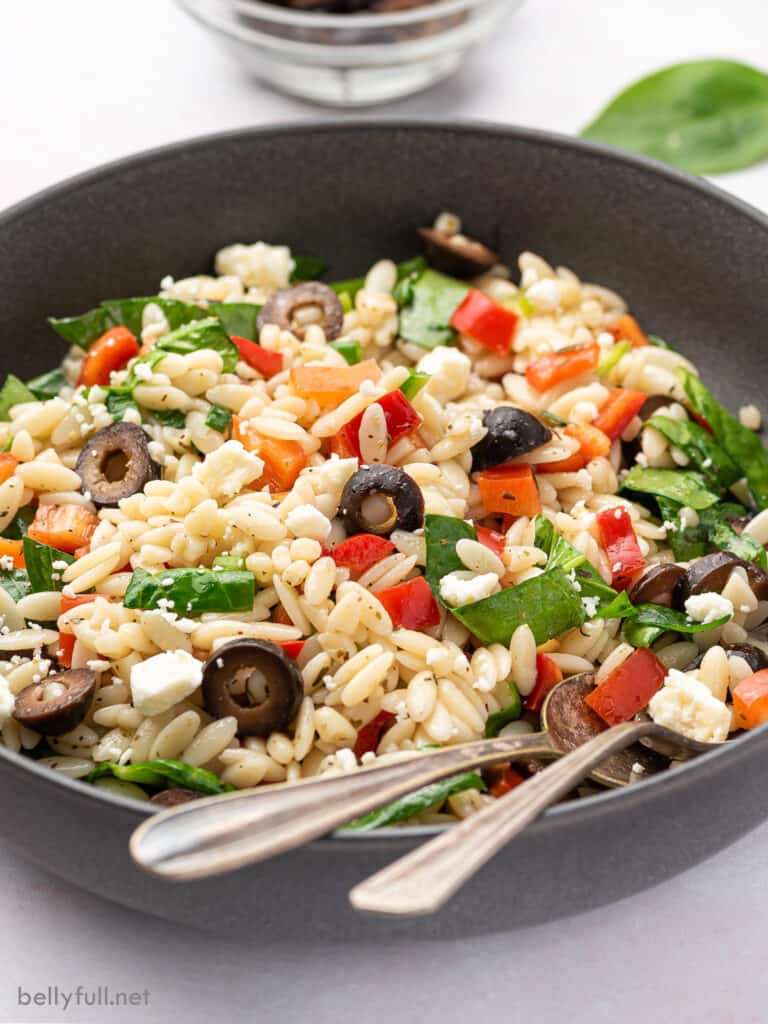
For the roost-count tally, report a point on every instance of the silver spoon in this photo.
(223, 833)
(424, 880)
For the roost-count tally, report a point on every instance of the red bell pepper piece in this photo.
(399, 414)
(543, 373)
(750, 701)
(411, 605)
(486, 322)
(627, 328)
(107, 355)
(360, 552)
(65, 648)
(491, 539)
(618, 412)
(509, 490)
(293, 648)
(548, 674)
(369, 736)
(628, 688)
(508, 780)
(618, 537)
(262, 360)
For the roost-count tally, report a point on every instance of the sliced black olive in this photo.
(380, 499)
(755, 657)
(657, 585)
(651, 406)
(457, 255)
(282, 307)
(711, 573)
(256, 682)
(69, 697)
(174, 797)
(115, 463)
(511, 432)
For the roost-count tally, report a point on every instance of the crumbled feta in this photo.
(709, 607)
(686, 705)
(6, 562)
(142, 371)
(163, 680)
(750, 417)
(464, 587)
(7, 701)
(449, 371)
(689, 517)
(260, 266)
(308, 521)
(226, 471)
(545, 295)
(590, 606)
(346, 760)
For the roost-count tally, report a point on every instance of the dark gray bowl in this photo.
(689, 258)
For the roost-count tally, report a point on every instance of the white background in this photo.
(85, 81)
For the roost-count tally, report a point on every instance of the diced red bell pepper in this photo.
(548, 675)
(65, 648)
(400, 416)
(628, 688)
(486, 322)
(618, 537)
(369, 736)
(750, 701)
(627, 328)
(65, 527)
(13, 549)
(618, 412)
(108, 354)
(508, 780)
(491, 539)
(411, 605)
(262, 360)
(8, 464)
(509, 490)
(68, 603)
(293, 648)
(545, 372)
(360, 552)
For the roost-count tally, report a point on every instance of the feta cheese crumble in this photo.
(458, 588)
(449, 371)
(709, 607)
(7, 701)
(228, 470)
(163, 680)
(686, 705)
(749, 417)
(307, 521)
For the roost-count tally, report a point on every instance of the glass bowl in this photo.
(350, 60)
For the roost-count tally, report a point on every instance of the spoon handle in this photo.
(223, 833)
(422, 881)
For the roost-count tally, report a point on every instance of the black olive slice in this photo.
(457, 255)
(282, 307)
(69, 697)
(115, 463)
(710, 574)
(174, 797)
(511, 432)
(380, 499)
(657, 585)
(256, 682)
(755, 657)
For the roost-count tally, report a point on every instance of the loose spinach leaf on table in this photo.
(414, 803)
(706, 455)
(47, 385)
(159, 773)
(39, 559)
(706, 116)
(13, 392)
(434, 298)
(680, 485)
(743, 445)
(192, 591)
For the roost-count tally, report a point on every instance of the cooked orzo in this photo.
(258, 528)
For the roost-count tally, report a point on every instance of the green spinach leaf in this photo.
(200, 334)
(413, 384)
(17, 528)
(16, 582)
(160, 773)
(414, 803)
(13, 392)
(171, 418)
(39, 559)
(237, 318)
(707, 456)
(434, 298)
(47, 385)
(680, 485)
(496, 722)
(192, 591)
(218, 418)
(442, 533)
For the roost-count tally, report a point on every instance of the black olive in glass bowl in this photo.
(380, 499)
(511, 432)
(256, 682)
(115, 463)
(283, 307)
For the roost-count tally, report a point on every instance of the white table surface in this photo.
(86, 81)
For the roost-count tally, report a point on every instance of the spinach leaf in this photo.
(16, 582)
(414, 803)
(47, 385)
(442, 533)
(17, 528)
(118, 402)
(650, 621)
(161, 772)
(13, 392)
(687, 542)
(434, 299)
(680, 485)
(709, 458)
(82, 330)
(561, 554)
(307, 268)
(207, 333)
(130, 312)
(350, 349)
(229, 562)
(496, 722)
(550, 604)
(742, 444)
(721, 535)
(613, 358)
(413, 383)
(218, 418)
(706, 116)
(39, 559)
(171, 418)
(192, 591)
(237, 318)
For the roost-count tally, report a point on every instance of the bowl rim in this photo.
(594, 807)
